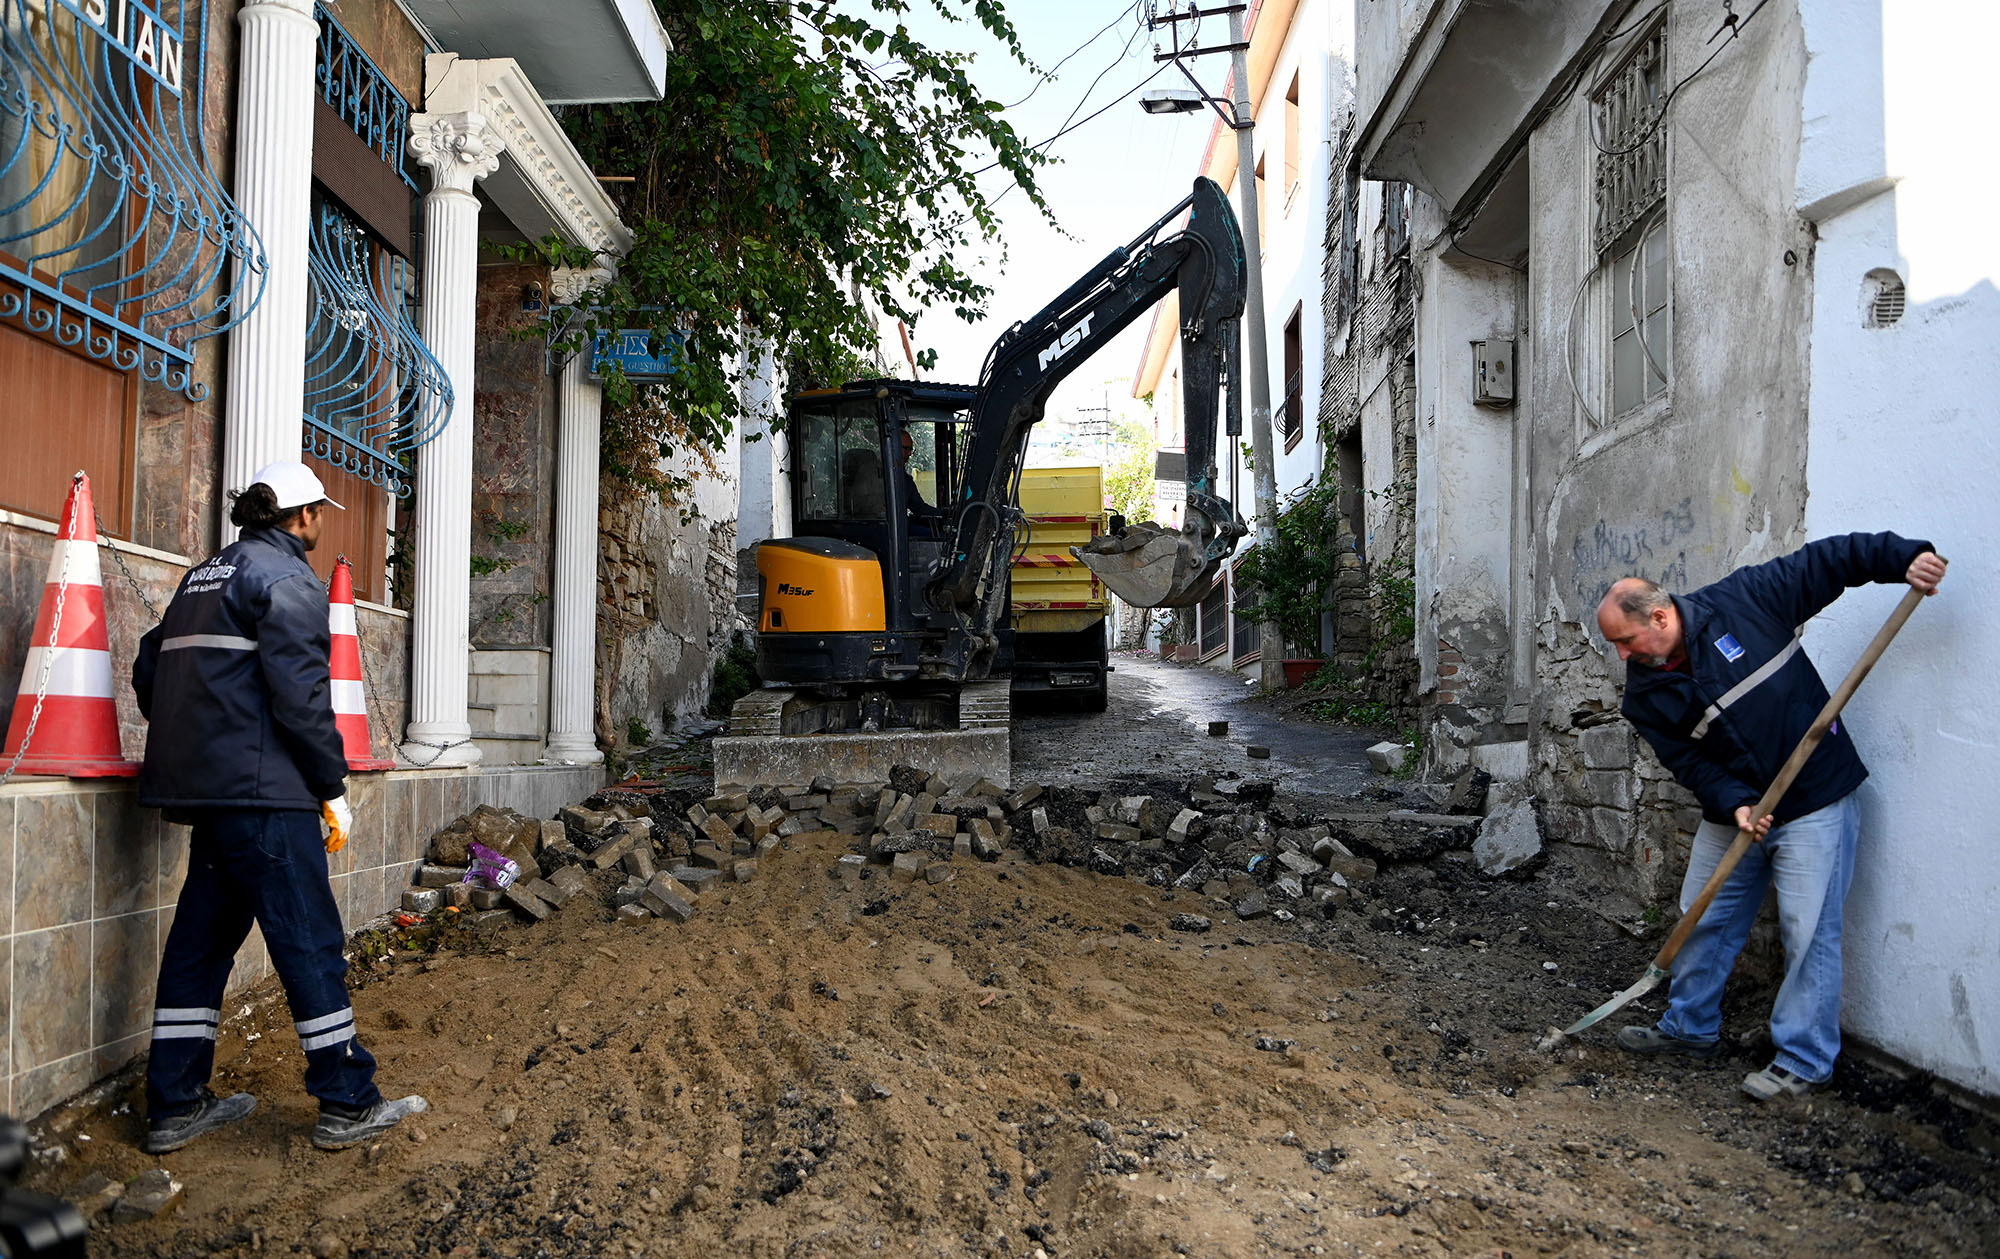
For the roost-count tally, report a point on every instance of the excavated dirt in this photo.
(1031, 1058)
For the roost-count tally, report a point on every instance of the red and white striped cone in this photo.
(350, 704)
(77, 732)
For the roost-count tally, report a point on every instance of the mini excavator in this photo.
(888, 602)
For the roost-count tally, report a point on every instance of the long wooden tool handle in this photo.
(1783, 781)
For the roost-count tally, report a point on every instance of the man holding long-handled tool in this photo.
(1717, 683)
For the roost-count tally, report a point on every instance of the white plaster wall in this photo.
(1903, 438)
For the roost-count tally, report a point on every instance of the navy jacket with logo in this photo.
(1726, 726)
(235, 680)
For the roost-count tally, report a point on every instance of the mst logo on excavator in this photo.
(787, 588)
(1066, 342)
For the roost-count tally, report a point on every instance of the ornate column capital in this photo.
(297, 8)
(460, 149)
(567, 284)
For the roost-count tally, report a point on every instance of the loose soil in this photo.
(1029, 1058)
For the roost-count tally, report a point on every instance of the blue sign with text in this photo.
(632, 349)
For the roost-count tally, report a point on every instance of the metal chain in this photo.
(119, 560)
(48, 665)
(438, 749)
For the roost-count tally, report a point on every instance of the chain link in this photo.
(368, 676)
(119, 560)
(48, 664)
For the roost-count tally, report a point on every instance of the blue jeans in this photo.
(1811, 861)
(266, 866)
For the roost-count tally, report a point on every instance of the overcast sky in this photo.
(1115, 175)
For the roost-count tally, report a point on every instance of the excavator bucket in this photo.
(1149, 566)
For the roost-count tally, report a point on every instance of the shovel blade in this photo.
(1151, 567)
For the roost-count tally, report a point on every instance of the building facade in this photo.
(1692, 238)
(189, 291)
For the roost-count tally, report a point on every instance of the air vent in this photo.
(1882, 298)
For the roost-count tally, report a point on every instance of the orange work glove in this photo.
(339, 818)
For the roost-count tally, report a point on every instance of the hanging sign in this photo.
(150, 41)
(632, 349)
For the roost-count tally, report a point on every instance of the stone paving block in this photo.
(849, 868)
(937, 823)
(152, 1193)
(744, 870)
(1387, 757)
(423, 900)
(1352, 869)
(439, 876)
(1508, 837)
(488, 918)
(938, 872)
(543, 890)
(628, 894)
(614, 852)
(1021, 798)
(639, 862)
(713, 858)
(458, 895)
(487, 898)
(1038, 822)
(766, 846)
(988, 788)
(1118, 832)
(904, 867)
(805, 803)
(666, 897)
(1298, 863)
(527, 902)
(961, 845)
(698, 879)
(633, 914)
(1180, 828)
(733, 802)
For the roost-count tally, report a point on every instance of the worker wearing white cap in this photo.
(235, 680)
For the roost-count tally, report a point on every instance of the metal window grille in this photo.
(1631, 176)
(1213, 615)
(374, 392)
(116, 239)
(1242, 629)
(1396, 218)
(356, 89)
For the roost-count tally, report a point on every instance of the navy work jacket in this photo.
(1726, 724)
(235, 680)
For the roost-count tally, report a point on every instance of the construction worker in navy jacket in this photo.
(1716, 682)
(244, 748)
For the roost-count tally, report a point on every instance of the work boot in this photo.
(1651, 1040)
(1774, 1081)
(164, 1136)
(339, 1127)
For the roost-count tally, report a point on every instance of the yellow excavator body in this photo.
(819, 586)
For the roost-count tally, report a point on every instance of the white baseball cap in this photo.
(294, 484)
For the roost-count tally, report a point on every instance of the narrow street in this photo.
(1031, 1058)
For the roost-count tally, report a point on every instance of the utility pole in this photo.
(1264, 473)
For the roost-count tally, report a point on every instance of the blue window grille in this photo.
(373, 390)
(357, 90)
(116, 239)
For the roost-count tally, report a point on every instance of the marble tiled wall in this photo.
(88, 882)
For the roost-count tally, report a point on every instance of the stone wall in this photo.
(513, 471)
(669, 610)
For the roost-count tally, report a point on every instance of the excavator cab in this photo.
(841, 600)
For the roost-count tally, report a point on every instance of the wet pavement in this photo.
(1156, 726)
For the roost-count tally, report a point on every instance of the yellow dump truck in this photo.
(1059, 606)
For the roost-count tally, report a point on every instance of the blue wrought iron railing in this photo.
(374, 392)
(115, 236)
(356, 89)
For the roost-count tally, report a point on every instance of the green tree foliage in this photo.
(1128, 475)
(804, 155)
(1289, 581)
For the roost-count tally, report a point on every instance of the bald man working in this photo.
(1717, 684)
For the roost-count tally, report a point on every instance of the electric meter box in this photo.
(1493, 373)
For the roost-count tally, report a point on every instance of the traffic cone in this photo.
(77, 732)
(350, 706)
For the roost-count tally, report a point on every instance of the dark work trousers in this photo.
(266, 866)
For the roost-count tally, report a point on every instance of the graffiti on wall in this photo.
(1611, 549)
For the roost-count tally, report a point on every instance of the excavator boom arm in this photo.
(1203, 262)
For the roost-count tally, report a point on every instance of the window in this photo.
(1291, 412)
(840, 454)
(113, 237)
(1629, 191)
(1213, 615)
(1641, 320)
(1395, 219)
(1294, 168)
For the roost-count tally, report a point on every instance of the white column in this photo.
(459, 149)
(573, 663)
(265, 394)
